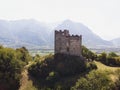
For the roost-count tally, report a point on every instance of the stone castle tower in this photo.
(67, 44)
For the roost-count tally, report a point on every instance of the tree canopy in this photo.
(11, 64)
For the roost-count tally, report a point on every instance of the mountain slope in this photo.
(89, 38)
(116, 42)
(28, 33)
(34, 34)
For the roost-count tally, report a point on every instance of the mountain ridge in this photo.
(32, 33)
(116, 42)
(88, 36)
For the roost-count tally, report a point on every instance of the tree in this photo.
(103, 57)
(88, 54)
(10, 69)
(23, 54)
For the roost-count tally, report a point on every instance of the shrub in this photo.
(91, 66)
(88, 54)
(95, 80)
(111, 59)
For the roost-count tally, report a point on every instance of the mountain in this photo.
(116, 42)
(90, 39)
(28, 33)
(34, 34)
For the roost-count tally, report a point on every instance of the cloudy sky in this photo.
(101, 16)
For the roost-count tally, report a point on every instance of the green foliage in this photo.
(23, 54)
(37, 57)
(112, 54)
(111, 59)
(88, 54)
(39, 70)
(91, 66)
(69, 65)
(11, 65)
(95, 80)
(117, 72)
(103, 57)
(49, 71)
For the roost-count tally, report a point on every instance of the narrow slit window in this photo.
(67, 49)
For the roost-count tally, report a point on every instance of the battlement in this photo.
(77, 37)
(67, 44)
(60, 31)
(65, 32)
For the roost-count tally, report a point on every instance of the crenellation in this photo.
(67, 44)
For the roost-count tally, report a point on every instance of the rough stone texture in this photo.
(67, 44)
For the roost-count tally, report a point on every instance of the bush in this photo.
(88, 54)
(111, 59)
(103, 57)
(91, 66)
(95, 80)
(23, 54)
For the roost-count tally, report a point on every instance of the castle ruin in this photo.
(67, 44)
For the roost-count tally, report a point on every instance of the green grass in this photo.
(110, 70)
(104, 67)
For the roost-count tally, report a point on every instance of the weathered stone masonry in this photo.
(67, 44)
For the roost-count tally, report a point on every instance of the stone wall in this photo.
(67, 44)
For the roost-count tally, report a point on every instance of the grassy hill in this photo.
(109, 69)
(27, 83)
(104, 67)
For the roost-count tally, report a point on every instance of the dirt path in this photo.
(26, 83)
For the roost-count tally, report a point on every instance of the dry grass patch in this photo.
(111, 70)
(104, 67)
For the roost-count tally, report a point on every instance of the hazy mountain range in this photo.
(34, 34)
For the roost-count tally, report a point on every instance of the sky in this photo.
(101, 16)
